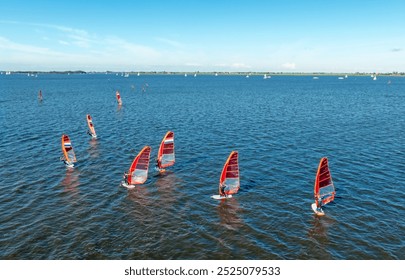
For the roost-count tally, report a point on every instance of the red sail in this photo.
(166, 155)
(323, 188)
(138, 172)
(230, 175)
(118, 97)
(91, 126)
(67, 149)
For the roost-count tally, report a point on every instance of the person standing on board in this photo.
(319, 204)
(222, 190)
(126, 177)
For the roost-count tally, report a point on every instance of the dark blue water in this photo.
(281, 127)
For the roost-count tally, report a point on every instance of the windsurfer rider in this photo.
(65, 162)
(158, 166)
(126, 177)
(222, 190)
(319, 204)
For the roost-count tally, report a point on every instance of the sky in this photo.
(241, 36)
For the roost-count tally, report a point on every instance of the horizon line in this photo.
(201, 72)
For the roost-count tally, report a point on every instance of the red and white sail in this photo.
(230, 175)
(67, 149)
(117, 94)
(91, 126)
(324, 190)
(138, 172)
(166, 155)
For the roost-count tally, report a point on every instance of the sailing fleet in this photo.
(229, 180)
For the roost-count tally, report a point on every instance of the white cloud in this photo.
(192, 64)
(169, 42)
(6, 44)
(233, 66)
(78, 37)
(239, 65)
(289, 65)
(115, 44)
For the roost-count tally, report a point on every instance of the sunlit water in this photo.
(281, 127)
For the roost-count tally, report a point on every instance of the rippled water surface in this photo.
(281, 127)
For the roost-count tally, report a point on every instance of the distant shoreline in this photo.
(219, 73)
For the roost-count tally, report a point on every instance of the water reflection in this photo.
(320, 226)
(228, 212)
(166, 181)
(139, 196)
(93, 149)
(71, 181)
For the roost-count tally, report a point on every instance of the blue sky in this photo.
(289, 36)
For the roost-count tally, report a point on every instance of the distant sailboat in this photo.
(138, 171)
(117, 94)
(229, 182)
(69, 157)
(166, 156)
(91, 131)
(375, 78)
(324, 190)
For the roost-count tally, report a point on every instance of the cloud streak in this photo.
(169, 42)
(75, 47)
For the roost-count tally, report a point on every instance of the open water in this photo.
(281, 127)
